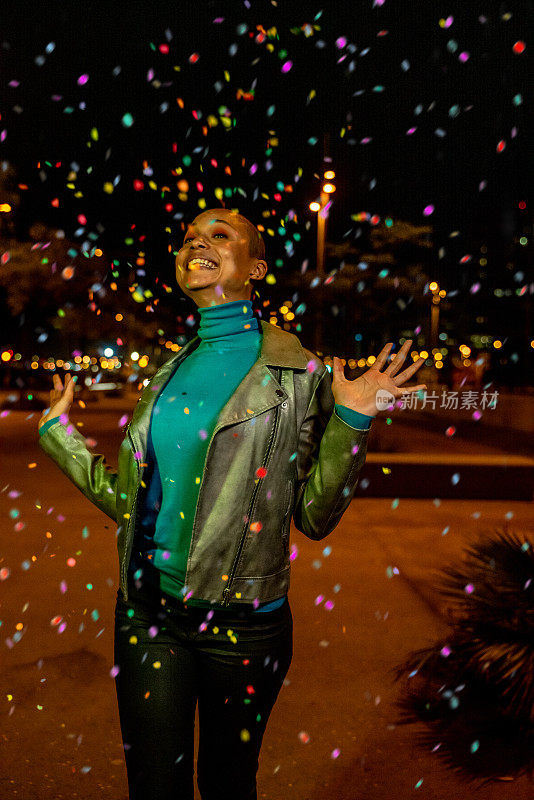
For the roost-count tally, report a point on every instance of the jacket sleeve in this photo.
(330, 456)
(88, 471)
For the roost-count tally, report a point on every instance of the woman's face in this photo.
(213, 266)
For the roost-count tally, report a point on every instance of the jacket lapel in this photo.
(257, 392)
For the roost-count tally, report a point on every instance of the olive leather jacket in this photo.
(278, 452)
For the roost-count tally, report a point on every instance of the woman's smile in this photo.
(197, 263)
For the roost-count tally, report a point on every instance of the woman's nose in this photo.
(198, 241)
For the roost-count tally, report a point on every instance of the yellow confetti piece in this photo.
(132, 640)
(156, 664)
(94, 134)
(215, 629)
(245, 735)
(108, 187)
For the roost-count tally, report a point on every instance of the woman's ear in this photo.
(259, 271)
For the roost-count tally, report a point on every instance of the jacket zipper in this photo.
(132, 516)
(226, 591)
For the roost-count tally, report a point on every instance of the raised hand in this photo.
(361, 393)
(61, 398)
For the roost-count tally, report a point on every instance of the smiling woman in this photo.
(236, 435)
(222, 253)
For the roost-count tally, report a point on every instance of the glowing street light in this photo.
(437, 294)
(321, 207)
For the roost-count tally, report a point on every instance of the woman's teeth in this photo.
(201, 263)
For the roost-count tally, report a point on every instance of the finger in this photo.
(399, 359)
(382, 356)
(58, 386)
(408, 372)
(69, 384)
(411, 389)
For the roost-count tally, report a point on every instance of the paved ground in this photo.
(60, 735)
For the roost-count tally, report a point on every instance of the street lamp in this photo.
(321, 206)
(437, 294)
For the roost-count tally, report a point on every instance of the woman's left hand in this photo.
(361, 393)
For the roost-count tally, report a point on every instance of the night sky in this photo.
(425, 107)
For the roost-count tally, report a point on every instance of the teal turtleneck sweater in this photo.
(182, 421)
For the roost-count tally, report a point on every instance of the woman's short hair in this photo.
(256, 246)
(255, 239)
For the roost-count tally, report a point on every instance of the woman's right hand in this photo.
(61, 398)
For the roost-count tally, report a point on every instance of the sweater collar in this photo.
(227, 319)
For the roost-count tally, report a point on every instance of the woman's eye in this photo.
(189, 238)
(220, 234)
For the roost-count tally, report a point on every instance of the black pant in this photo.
(169, 657)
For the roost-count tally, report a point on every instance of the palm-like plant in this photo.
(479, 683)
(492, 596)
